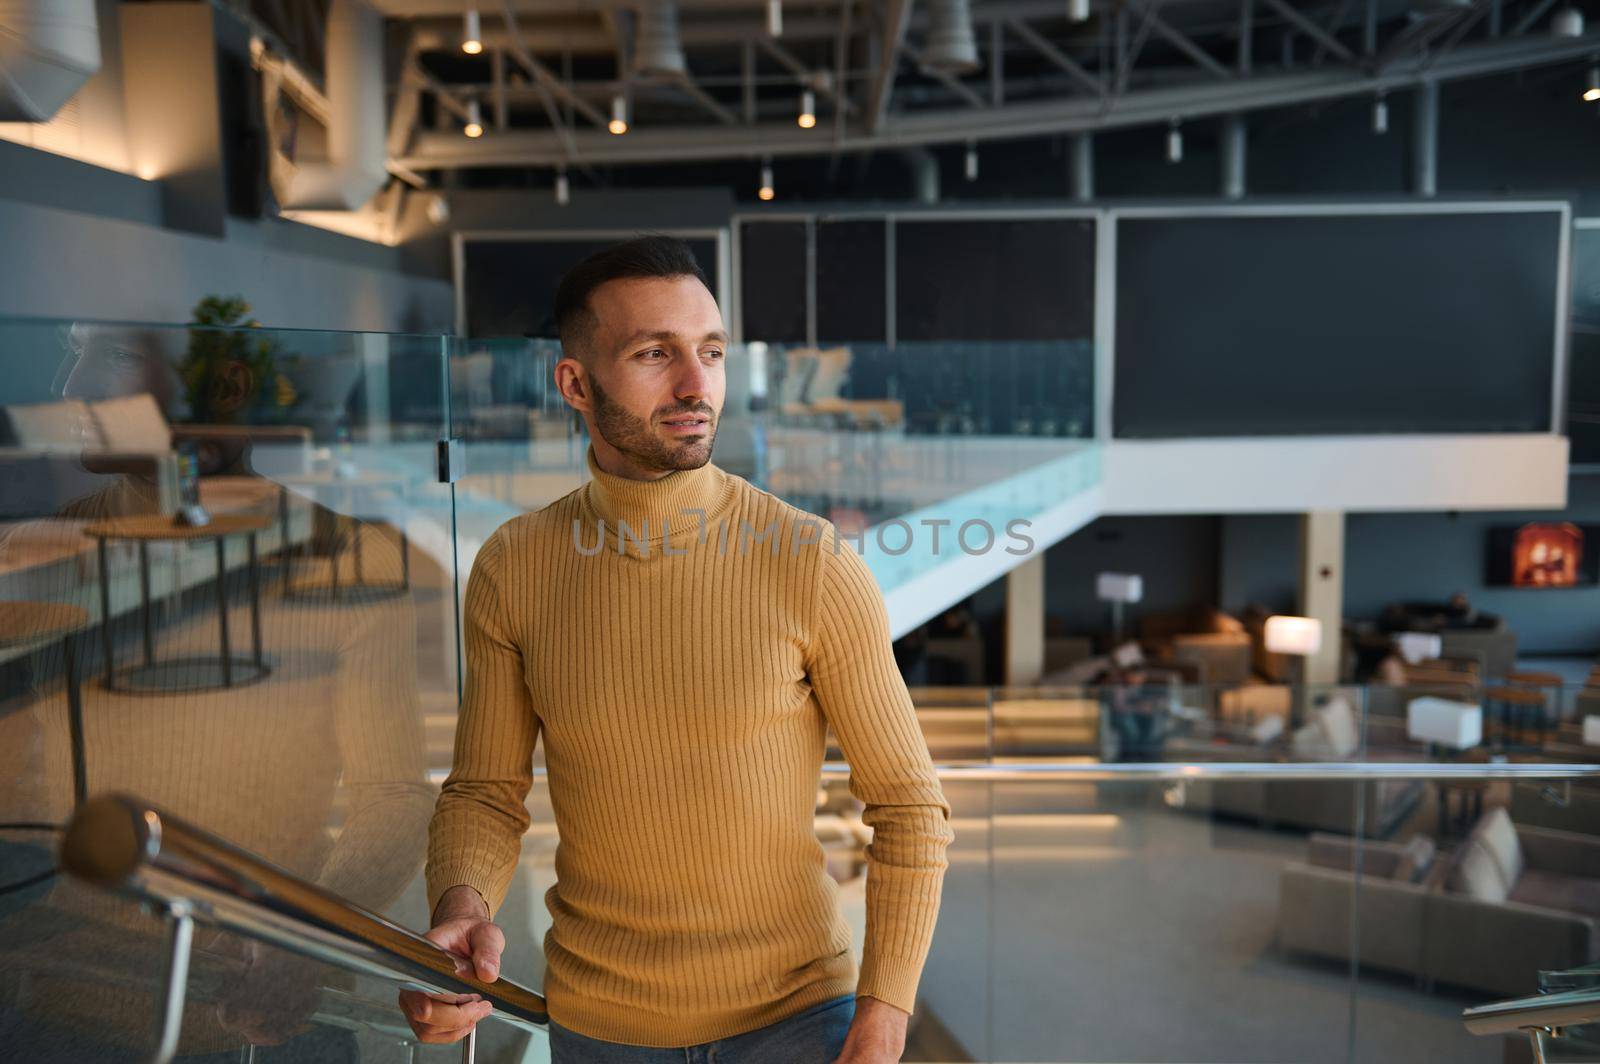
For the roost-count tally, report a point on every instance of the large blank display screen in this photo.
(1336, 324)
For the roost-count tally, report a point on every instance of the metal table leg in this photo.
(338, 538)
(105, 611)
(355, 530)
(255, 606)
(283, 534)
(144, 603)
(222, 614)
(80, 773)
(405, 560)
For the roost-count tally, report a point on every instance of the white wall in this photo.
(1362, 473)
(66, 264)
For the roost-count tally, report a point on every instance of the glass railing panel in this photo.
(324, 564)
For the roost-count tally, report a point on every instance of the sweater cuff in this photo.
(444, 877)
(890, 979)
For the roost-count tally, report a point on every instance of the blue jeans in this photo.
(815, 1036)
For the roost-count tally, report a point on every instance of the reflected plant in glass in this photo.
(229, 375)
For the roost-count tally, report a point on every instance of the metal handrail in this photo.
(123, 844)
(1541, 1018)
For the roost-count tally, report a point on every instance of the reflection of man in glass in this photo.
(318, 767)
(683, 693)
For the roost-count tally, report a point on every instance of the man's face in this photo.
(656, 370)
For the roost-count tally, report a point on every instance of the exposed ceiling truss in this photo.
(550, 69)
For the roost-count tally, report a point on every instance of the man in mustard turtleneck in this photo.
(682, 641)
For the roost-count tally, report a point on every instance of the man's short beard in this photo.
(631, 435)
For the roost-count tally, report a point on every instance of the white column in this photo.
(1322, 588)
(1025, 622)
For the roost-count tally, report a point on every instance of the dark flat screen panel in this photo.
(1583, 357)
(851, 280)
(772, 281)
(511, 284)
(1022, 279)
(1229, 326)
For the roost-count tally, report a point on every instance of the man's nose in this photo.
(692, 381)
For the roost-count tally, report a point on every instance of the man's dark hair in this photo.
(645, 256)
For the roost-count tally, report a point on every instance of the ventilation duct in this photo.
(657, 49)
(48, 49)
(339, 165)
(951, 48)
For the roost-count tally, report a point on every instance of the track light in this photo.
(1175, 142)
(471, 32)
(563, 189)
(775, 18)
(1078, 10)
(971, 168)
(474, 127)
(808, 109)
(1591, 88)
(1568, 22)
(619, 114)
(765, 192)
(1380, 114)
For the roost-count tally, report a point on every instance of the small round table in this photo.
(155, 677)
(343, 490)
(26, 623)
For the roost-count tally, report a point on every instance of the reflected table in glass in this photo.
(28, 623)
(342, 491)
(188, 673)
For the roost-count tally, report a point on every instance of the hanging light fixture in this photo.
(619, 114)
(474, 126)
(766, 192)
(1175, 142)
(808, 109)
(952, 48)
(775, 18)
(1568, 22)
(1380, 114)
(1078, 10)
(657, 49)
(471, 32)
(1591, 88)
(971, 167)
(563, 189)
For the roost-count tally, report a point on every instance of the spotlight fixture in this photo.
(474, 127)
(563, 189)
(775, 18)
(1591, 88)
(1568, 22)
(971, 168)
(1380, 114)
(951, 47)
(765, 192)
(619, 114)
(1078, 10)
(1175, 142)
(808, 109)
(471, 32)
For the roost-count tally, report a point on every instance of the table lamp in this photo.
(1119, 589)
(1299, 638)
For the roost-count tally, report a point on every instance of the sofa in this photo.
(1511, 901)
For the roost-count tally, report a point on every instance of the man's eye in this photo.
(654, 352)
(714, 353)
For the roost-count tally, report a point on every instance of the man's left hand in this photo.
(877, 1034)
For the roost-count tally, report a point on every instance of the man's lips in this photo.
(691, 423)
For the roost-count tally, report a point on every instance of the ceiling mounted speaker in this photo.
(656, 47)
(48, 49)
(951, 49)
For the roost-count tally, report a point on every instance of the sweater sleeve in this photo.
(475, 837)
(858, 685)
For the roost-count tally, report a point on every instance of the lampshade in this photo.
(1294, 635)
(1458, 725)
(1419, 646)
(1119, 587)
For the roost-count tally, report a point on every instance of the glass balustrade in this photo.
(230, 569)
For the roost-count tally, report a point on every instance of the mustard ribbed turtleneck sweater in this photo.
(683, 672)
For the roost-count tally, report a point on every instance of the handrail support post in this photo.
(180, 937)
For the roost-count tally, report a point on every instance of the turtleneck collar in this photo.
(671, 504)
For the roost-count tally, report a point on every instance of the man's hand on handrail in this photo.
(462, 928)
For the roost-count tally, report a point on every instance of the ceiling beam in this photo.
(1311, 29)
(644, 145)
(895, 22)
(1057, 56)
